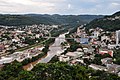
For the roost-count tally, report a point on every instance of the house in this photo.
(119, 74)
(84, 40)
(2, 47)
(106, 61)
(1, 66)
(103, 44)
(104, 37)
(113, 68)
(41, 48)
(71, 55)
(98, 67)
(110, 52)
(79, 49)
(6, 60)
(73, 62)
(85, 49)
(79, 54)
(96, 34)
(37, 35)
(80, 61)
(111, 46)
(17, 31)
(64, 58)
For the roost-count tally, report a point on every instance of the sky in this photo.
(66, 7)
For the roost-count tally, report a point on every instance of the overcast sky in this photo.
(59, 6)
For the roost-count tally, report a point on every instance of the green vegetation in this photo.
(49, 41)
(53, 71)
(44, 52)
(46, 49)
(30, 41)
(106, 23)
(117, 56)
(30, 19)
(57, 32)
(74, 47)
(101, 75)
(60, 71)
(73, 44)
(54, 59)
(29, 60)
(28, 47)
(98, 58)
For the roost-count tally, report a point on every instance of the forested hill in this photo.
(111, 22)
(30, 19)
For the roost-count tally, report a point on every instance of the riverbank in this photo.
(54, 49)
(30, 65)
(51, 53)
(31, 62)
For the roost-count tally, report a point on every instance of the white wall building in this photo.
(118, 38)
(96, 34)
(6, 60)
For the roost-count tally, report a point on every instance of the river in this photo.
(54, 49)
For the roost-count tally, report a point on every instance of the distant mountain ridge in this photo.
(30, 19)
(111, 23)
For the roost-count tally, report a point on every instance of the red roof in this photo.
(110, 52)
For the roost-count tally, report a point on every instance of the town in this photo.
(17, 43)
(95, 47)
(59, 39)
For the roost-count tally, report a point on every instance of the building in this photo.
(96, 34)
(118, 38)
(79, 31)
(2, 47)
(84, 40)
(79, 49)
(64, 58)
(1, 66)
(106, 61)
(110, 52)
(98, 67)
(113, 68)
(104, 37)
(111, 46)
(71, 55)
(6, 60)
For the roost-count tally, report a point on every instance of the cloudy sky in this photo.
(59, 6)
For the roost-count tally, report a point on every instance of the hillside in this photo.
(110, 23)
(30, 19)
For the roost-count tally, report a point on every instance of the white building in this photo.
(104, 37)
(98, 67)
(118, 38)
(64, 58)
(6, 60)
(96, 34)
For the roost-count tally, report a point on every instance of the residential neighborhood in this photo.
(14, 41)
(95, 42)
